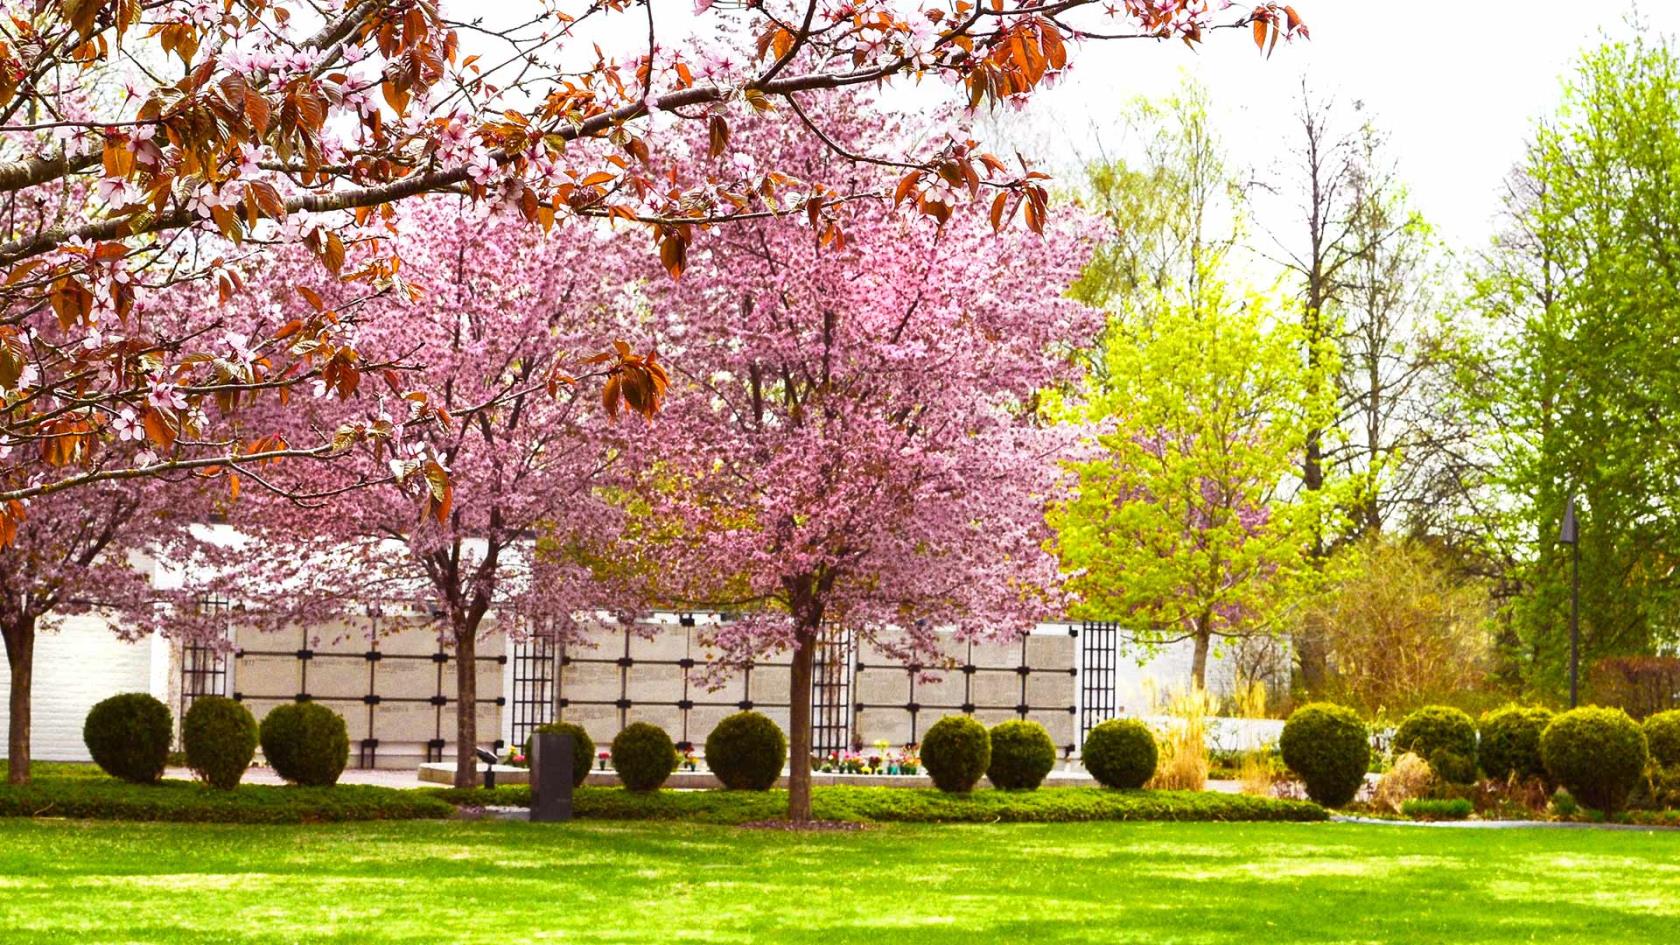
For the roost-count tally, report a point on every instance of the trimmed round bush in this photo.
(746, 751)
(644, 756)
(306, 743)
(1511, 742)
(219, 736)
(1329, 748)
(583, 747)
(956, 751)
(1443, 736)
(128, 736)
(1121, 753)
(1598, 754)
(1662, 736)
(1022, 754)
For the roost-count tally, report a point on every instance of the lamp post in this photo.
(1570, 535)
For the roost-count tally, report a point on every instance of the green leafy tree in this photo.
(1576, 384)
(1182, 526)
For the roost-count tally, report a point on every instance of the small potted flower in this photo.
(603, 757)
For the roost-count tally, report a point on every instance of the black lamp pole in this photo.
(1571, 535)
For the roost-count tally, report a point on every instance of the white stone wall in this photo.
(78, 662)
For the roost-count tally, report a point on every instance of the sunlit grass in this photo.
(432, 882)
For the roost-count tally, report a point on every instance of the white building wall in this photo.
(78, 662)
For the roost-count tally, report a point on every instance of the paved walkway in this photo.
(378, 776)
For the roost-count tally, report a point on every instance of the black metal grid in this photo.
(691, 668)
(368, 748)
(204, 665)
(1099, 654)
(968, 706)
(534, 662)
(831, 709)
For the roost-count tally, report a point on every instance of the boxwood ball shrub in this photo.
(1329, 748)
(583, 747)
(1443, 736)
(1662, 736)
(128, 736)
(956, 751)
(746, 751)
(306, 743)
(1022, 754)
(1121, 753)
(1510, 744)
(220, 736)
(1597, 754)
(644, 756)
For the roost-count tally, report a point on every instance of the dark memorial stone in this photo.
(551, 777)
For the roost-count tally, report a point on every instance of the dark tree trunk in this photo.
(799, 724)
(466, 708)
(20, 655)
(1198, 665)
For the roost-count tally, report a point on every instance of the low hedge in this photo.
(220, 737)
(908, 805)
(1662, 735)
(643, 755)
(1022, 755)
(1328, 747)
(1443, 736)
(1121, 753)
(306, 743)
(104, 798)
(746, 751)
(1438, 808)
(956, 751)
(128, 736)
(1598, 754)
(1510, 745)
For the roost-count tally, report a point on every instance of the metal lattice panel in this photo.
(534, 663)
(1099, 653)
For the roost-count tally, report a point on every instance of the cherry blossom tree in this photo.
(85, 553)
(148, 142)
(497, 307)
(851, 436)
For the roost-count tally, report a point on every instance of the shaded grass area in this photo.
(83, 791)
(446, 882)
(908, 805)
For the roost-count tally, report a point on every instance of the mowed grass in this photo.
(487, 882)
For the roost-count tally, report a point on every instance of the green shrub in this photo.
(746, 751)
(306, 743)
(103, 798)
(1445, 737)
(1597, 754)
(1438, 808)
(643, 756)
(220, 737)
(956, 751)
(1510, 744)
(1022, 755)
(857, 803)
(583, 747)
(1328, 747)
(1662, 736)
(128, 736)
(1121, 753)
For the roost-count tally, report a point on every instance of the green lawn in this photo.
(492, 882)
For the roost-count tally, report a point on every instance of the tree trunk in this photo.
(20, 654)
(466, 709)
(1312, 656)
(799, 724)
(1198, 665)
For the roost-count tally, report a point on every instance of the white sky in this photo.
(1456, 84)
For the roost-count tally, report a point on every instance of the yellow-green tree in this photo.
(1186, 523)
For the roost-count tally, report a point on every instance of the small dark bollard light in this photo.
(551, 777)
(489, 758)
